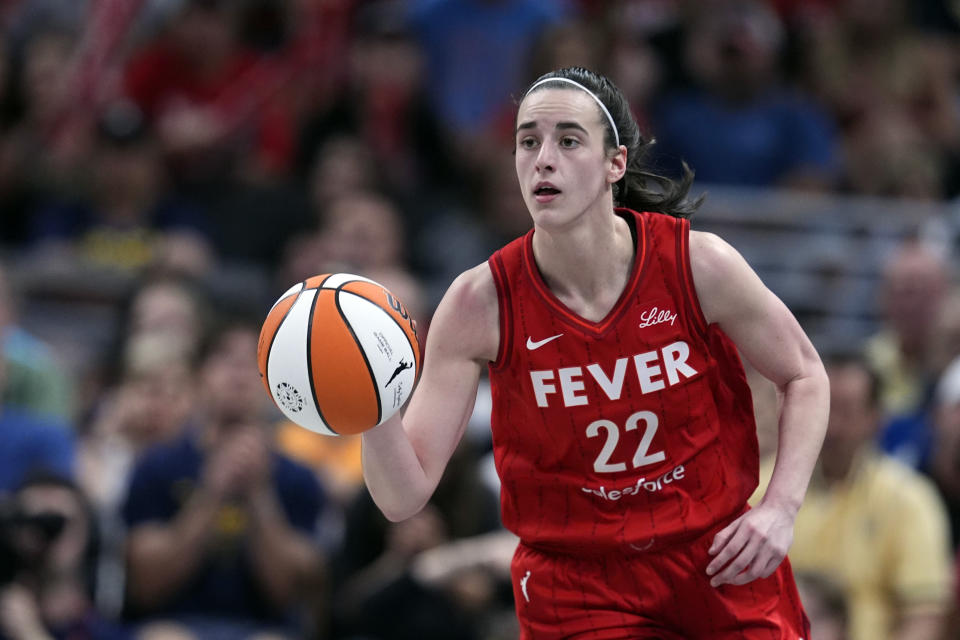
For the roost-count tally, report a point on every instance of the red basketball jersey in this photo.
(635, 430)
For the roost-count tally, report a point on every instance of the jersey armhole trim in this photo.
(686, 278)
(504, 305)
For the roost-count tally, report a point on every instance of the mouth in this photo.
(545, 192)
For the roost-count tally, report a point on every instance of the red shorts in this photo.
(663, 594)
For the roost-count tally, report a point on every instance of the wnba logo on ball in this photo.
(289, 397)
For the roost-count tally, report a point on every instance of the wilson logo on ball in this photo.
(329, 348)
(399, 308)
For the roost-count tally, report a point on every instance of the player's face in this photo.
(562, 165)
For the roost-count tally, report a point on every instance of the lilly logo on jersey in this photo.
(651, 367)
(656, 315)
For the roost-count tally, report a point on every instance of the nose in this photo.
(545, 158)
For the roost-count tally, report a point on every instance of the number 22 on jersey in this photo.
(641, 456)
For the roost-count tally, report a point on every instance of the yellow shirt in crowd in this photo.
(882, 535)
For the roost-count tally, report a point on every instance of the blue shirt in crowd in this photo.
(226, 585)
(754, 144)
(33, 444)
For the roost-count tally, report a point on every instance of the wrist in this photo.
(787, 504)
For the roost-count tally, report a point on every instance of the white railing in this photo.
(823, 254)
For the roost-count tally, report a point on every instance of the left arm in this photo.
(766, 333)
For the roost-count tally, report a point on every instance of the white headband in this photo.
(616, 135)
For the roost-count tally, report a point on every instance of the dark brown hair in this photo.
(639, 189)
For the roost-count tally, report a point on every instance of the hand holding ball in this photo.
(338, 354)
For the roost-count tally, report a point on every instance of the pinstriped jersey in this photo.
(634, 430)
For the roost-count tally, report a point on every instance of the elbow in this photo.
(399, 501)
(401, 512)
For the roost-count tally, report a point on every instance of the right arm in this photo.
(404, 458)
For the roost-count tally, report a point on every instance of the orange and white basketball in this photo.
(338, 354)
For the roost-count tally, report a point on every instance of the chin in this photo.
(554, 217)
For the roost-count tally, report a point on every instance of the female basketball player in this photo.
(622, 423)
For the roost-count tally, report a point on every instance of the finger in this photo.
(771, 565)
(727, 552)
(723, 536)
(756, 568)
(738, 564)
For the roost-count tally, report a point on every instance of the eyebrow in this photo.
(560, 126)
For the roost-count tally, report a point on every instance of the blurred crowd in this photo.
(168, 167)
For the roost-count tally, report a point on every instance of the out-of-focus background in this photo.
(169, 167)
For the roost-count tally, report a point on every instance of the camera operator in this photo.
(48, 553)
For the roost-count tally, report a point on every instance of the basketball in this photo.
(338, 354)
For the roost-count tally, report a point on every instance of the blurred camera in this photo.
(25, 538)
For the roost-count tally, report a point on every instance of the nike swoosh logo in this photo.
(539, 343)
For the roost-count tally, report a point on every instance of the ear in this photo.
(618, 165)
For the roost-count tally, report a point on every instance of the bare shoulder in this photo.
(467, 319)
(711, 257)
(474, 288)
(722, 278)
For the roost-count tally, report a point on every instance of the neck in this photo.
(586, 265)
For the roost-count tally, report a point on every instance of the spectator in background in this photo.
(886, 155)
(892, 89)
(173, 309)
(343, 164)
(359, 233)
(873, 526)
(43, 150)
(909, 437)
(576, 42)
(825, 605)
(53, 550)
(171, 306)
(914, 286)
(215, 104)
(739, 126)
(33, 445)
(121, 222)
(376, 592)
(943, 461)
(497, 215)
(573, 42)
(12, 189)
(221, 525)
(637, 68)
(384, 106)
(35, 380)
(151, 405)
(472, 48)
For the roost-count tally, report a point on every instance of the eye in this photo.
(568, 142)
(528, 143)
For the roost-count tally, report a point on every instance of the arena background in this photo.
(169, 164)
